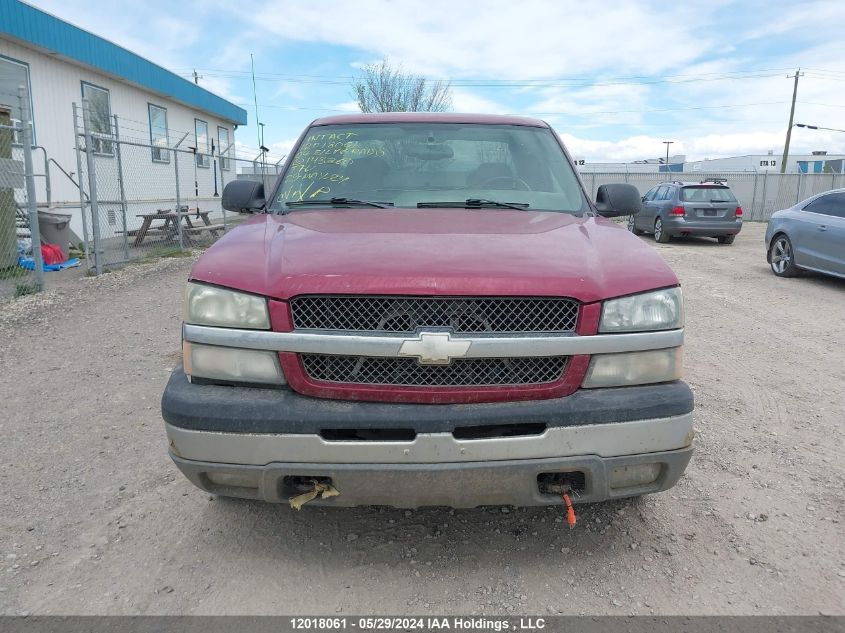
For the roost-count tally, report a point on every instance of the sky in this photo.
(614, 78)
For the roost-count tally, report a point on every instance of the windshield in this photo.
(405, 165)
(707, 194)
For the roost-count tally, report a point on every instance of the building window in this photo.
(13, 75)
(158, 133)
(223, 143)
(99, 117)
(201, 129)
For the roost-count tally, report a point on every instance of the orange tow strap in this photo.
(570, 511)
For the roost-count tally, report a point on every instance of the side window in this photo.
(201, 130)
(832, 204)
(663, 193)
(223, 147)
(649, 195)
(158, 133)
(99, 104)
(13, 75)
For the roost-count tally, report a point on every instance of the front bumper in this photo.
(457, 485)
(703, 228)
(262, 443)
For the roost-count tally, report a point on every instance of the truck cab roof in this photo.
(429, 117)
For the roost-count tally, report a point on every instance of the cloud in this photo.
(346, 106)
(221, 87)
(443, 38)
(598, 105)
(698, 147)
(666, 67)
(464, 100)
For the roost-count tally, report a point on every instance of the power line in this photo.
(343, 78)
(570, 113)
(581, 83)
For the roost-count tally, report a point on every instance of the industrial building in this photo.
(819, 162)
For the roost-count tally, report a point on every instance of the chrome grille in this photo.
(464, 315)
(475, 372)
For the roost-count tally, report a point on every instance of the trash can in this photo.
(55, 229)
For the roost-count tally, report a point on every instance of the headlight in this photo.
(208, 305)
(659, 310)
(634, 368)
(230, 364)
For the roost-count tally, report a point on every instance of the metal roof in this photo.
(22, 22)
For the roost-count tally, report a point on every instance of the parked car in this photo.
(703, 209)
(427, 309)
(809, 236)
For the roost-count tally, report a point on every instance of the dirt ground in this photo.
(95, 519)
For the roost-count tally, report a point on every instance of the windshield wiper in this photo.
(336, 202)
(475, 203)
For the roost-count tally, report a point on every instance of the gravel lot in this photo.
(95, 519)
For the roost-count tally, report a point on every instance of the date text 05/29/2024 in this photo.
(405, 623)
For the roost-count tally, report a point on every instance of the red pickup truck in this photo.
(428, 309)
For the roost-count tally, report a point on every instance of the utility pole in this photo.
(196, 77)
(797, 74)
(667, 144)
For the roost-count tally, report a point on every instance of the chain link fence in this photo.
(21, 265)
(140, 200)
(759, 194)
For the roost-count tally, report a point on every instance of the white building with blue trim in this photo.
(61, 64)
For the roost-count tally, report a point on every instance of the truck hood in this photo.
(433, 252)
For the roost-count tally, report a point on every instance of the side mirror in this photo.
(244, 196)
(618, 199)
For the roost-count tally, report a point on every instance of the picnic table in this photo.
(169, 226)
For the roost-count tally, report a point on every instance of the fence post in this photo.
(83, 207)
(119, 159)
(798, 189)
(48, 192)
(753, 196)
(230, 165)
(92, 185)
(178, 192)
(32, 206)
(765, 183)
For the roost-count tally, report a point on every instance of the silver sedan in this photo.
(809, 236)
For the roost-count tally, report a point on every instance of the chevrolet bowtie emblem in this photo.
(434, 348)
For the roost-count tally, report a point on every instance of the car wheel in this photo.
(632, 227)
(659, 234)
(726, 239)
(782, 257)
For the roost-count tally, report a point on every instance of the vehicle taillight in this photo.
(678, 211)
(739, 212)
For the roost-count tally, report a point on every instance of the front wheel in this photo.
(632, 226)
(782, 257)
(660, 235)
(726, 239)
